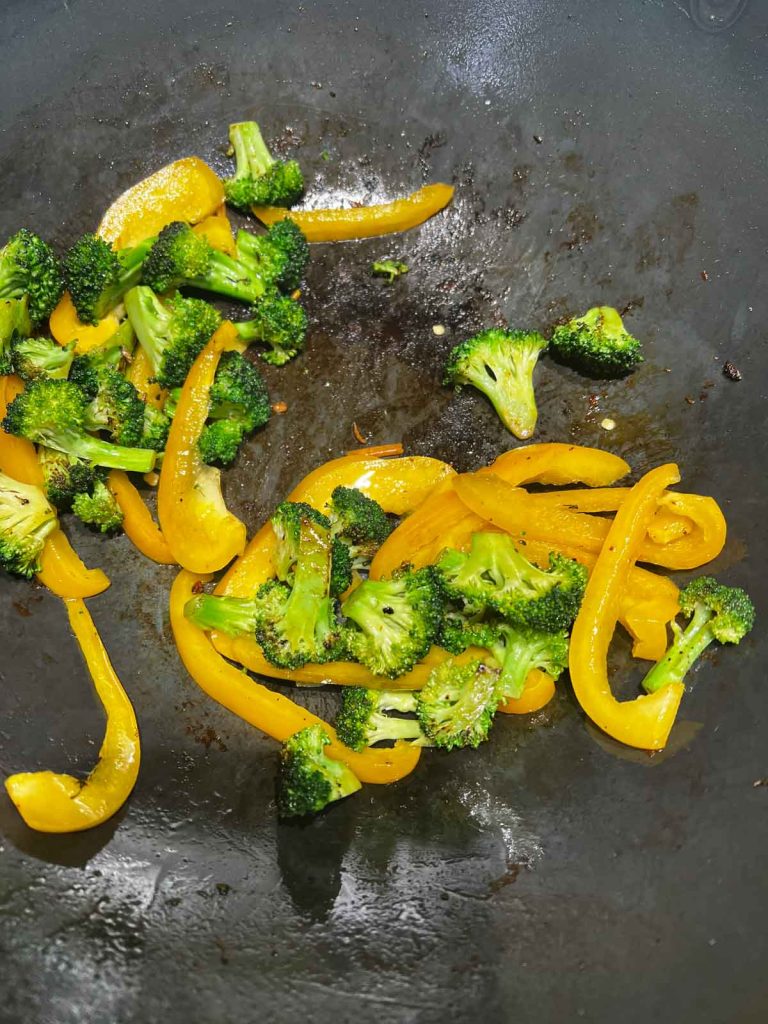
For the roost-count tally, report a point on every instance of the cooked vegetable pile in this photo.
(433, 600)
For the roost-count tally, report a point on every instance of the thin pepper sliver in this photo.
(139, 526)
(53, 802)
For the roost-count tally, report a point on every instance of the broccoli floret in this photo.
(231, 615)
(494, 575)
(14, 325)
(286, 522)
(155, 428)
(397, 618)
(42, 357)
(239, 404)
(309, 779)
(280, 323)
(459, 630)
(259, 179)
(519, 651)
(26, 519)
(64, 476)
(98, 277)
(360, 522)
(220, 442)
(172, 332)
(501, 365)
(298, 622)
(716, 612)
(391, 269)
(281, 255)
(54, 413)
(29, 267)
(597, 344)
(457, 704)
(99, 508)
(116, 408)
(362, 720)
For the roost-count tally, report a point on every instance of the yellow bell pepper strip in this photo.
(201, 532)
(363, 221)
(61, 569)
(139, 526)
(52, 802)
(65, 327)
(274, 714)
(644, 722)
(558, 464)
(141, 375)
(218, 231)
(185, 190)
(539, 691)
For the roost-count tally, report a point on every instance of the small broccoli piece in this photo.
(715, 612)
(519, 651)
(309, 779)
(597, 343)
(286, 522)
(239, 404)
(99, 508)
(281, 255)
(54, 413)
(14, 325)
(29, 268)
(116, 407)
(391, 269)
(457, 704)
(501, 365)
(231, 615)
(64, 476)
(458, 631)
(42, 357)
(172, 332)
(220, 442)
(360, 522)
(26, 520)
(155, 428)
(397, 618)
(98, 277)
(494, 575)
(362, 720)
(342, 569)
(280, 323)
(259, 179)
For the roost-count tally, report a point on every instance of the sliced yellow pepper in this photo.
(139, 526)
(141, 375)
(363, 221)
(558, 464)
(53, 802)
(202, 534)
(186, 190)
(539, 691)
(644, 722)
(66, 327)
(274, 714)
(218, 231)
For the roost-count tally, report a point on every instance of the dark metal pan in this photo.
(604, 150)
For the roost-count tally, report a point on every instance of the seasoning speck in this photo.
(608, 423)
(730, 371)
(438, 330)
(759, 782)
(358, 434)
(689, 400)
(538, 139)
(279, 408)
(704, 275)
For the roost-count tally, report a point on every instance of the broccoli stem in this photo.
(101, 453)
(251, 154)
(308, 604)
(689, 644)
(228, 277)
(384, 727)
(231, 615)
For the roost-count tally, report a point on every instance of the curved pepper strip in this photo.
(139, 526)
(558, 464)
(363, 221)
(274, 714)
(201, 532)
(61, 569)
(141, 375)
(218, 231)
(65, 326)
(644, 722)
(53, 802)
(539, 691)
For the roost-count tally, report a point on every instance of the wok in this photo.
(604, 151)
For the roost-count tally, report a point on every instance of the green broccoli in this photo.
(360, 522)
(597, 343)
(259, 179)
(115, 407)
(494, 575)
(278, 322)
(286, 522)
(460, 629)
(98, 277)
(391, 269)
(26, 520)
(518, 651)
(99, 509)
(239, 404)
(398, 620)
(14, 325)
(54, 413)
(172, 332)
(309, 779)
(457, 704)
(231, 615)
(362, 720)
(42, 357)
(29, 268)
(501, 364)
(281, 255)
(716, 612)
(156, 425)
(64, 476)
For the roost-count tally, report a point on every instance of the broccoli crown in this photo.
(42, 357)
(397, 618)
(309, 779)
(115, 408)
(26, 520)
(518, 651)
(457, 704)
(458, 631)
(286, 521)
(98, 277)
(597, 343)
(14, 325)
(281, 255)
(231, 615)
(279, 322)
(29, 267)
(362, 719)
(239, 393)
(98, 509)
(501, 364)
(342, 569)
(172, 332)
(259, 179)
(54, 413)
(360, 522)
(64, 476)
(716, 612)
(494, 575)
(391, 269)
(220, 441)
(155, 428)
(86, 370)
